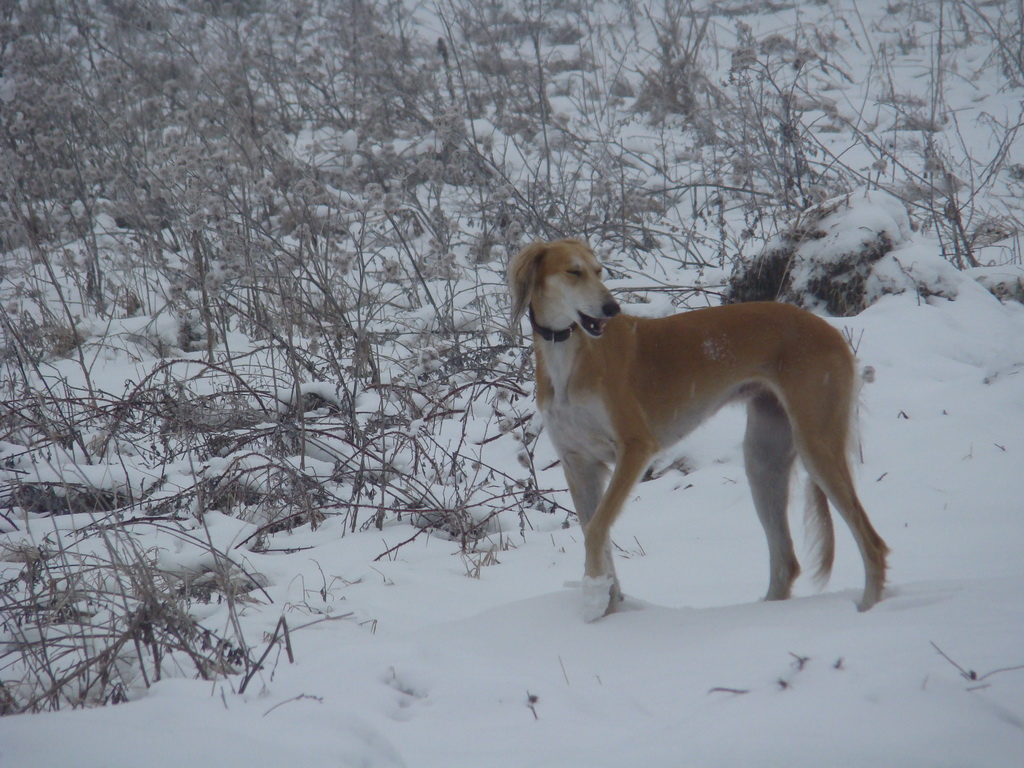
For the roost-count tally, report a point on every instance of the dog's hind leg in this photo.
(768, 454)
(821, 423)
(833, 476)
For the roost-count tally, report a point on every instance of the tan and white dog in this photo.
(615, 390)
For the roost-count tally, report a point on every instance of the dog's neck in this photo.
(549, 334)
(555, 360)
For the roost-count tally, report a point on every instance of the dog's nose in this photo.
(610, 308)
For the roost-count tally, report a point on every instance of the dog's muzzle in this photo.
(595, 326)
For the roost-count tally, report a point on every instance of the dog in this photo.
(614, 390)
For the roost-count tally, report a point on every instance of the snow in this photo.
(409, 651)
(596, 591)
(865, 216)
(8, 89)
(434, 668)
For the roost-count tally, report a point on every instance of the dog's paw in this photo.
(598, 596)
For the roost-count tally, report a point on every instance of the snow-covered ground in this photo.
(439, 660)
(411, 650)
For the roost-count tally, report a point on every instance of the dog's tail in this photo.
(821, 534)
(817, 515)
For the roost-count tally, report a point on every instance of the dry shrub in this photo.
(87, 625)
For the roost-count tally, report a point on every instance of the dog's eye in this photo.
(575, 272)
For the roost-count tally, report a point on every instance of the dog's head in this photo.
(561, 280)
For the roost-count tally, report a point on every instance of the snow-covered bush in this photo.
(843, 255)
(87, 620)
(826, 257)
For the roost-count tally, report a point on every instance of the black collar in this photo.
(547, 333)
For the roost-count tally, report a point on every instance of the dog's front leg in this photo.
(601, 592)
(587, 478)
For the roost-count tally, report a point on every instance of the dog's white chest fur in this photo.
(581, 428)
(577, 421)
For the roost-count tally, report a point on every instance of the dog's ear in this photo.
(522, 272)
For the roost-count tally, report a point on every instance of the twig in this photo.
(401, 544)
(323, 619)
(970, 674)
(300, 697)
(987, 675)
(282, 627)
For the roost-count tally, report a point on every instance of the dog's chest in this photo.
(581, 426)
(575, 416)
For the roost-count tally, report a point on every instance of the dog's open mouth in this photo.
(592, 325)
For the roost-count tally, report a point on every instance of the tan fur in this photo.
(616, 393)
